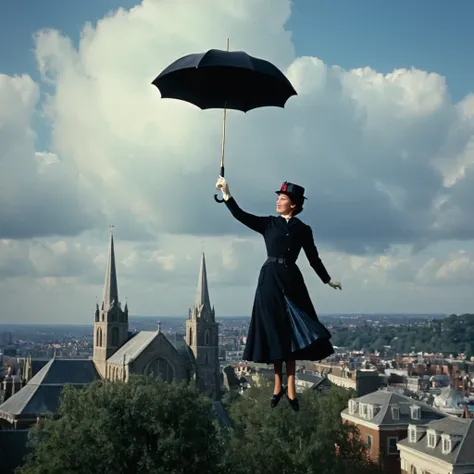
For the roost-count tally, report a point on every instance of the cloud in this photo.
(377, 153)
(387, 161)
(40, 195)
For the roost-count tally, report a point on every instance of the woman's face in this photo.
(283, 205)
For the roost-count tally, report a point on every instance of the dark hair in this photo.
(298, 202)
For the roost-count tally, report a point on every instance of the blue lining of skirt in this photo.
(305, 329)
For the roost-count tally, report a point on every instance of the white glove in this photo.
(335, 284)
(223, 185)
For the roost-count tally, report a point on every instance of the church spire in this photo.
(111, 287)
(202, 294)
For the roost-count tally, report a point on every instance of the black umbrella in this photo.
(225, 80)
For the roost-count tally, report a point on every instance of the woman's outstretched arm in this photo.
(312, 255)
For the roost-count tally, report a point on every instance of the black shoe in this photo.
(294, 403)
(276, 398)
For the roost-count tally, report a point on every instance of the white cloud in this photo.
(387, 161)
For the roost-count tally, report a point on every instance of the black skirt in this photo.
(284, 324)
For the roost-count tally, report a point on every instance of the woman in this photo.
(284, 324)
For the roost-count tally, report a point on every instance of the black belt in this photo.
(279, 260)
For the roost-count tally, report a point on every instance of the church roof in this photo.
(133, 347)
(184, 350)
(41, 393)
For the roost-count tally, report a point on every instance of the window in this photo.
(392, 445)
(353, 407)
(395, 413)
(412, 434)
(415, 412)
(369, 442)
(446, 444)
(98, 339)
(161, 369)
(431, 439)
(370, 411)
(363, 410)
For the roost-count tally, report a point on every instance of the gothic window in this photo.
(160, 368)
(190, 336)
(207, 337)
(206, 358)
(115, 337)
(98, 339)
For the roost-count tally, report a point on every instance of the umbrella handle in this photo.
(215, 195)
(223, 141)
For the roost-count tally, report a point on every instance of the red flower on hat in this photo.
(284, 186)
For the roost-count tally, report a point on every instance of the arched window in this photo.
(115, 337)
(190, 336)
(160, 368)
(98, 338)
(207, 337)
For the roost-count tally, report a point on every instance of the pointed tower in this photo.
(202, 336)
(110, 322)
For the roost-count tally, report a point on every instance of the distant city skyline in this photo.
(381, 135)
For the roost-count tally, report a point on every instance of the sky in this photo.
(381, 135)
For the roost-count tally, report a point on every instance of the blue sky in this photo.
(433, 35)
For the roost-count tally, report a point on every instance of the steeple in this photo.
(110, 321)
(202, 294)
(110, 286)
(202, 337)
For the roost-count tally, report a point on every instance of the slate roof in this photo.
(319, 383)
(37, 365)
(385, 400)
(185, 351)
(462, 445)
(41, 393)
(133, 347)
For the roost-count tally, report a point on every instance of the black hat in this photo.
(291, 190)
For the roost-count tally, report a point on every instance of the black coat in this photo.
(284, 324)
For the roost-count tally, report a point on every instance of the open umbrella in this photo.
(225, 80)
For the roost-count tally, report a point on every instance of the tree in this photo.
(279, 440)
(143, 426)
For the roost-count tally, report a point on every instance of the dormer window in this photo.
(412, 434)
(370, 412)
(396, 413)
(353, 406)
(415, 412)
(446, 444)
(431, 437)
(363, 410)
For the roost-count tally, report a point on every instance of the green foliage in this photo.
(279, 440)
(143, 426)
(454, 334)
(147, 426)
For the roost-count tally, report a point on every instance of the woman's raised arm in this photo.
(256, 223)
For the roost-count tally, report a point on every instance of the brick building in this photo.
(382, 418)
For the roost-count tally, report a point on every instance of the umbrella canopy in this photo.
(225, 79)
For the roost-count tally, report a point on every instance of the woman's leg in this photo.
(278, 368)
(290, 373)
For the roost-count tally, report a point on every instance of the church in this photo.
(118, 352)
